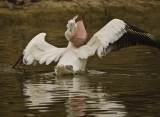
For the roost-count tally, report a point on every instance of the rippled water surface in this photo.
(125, 83)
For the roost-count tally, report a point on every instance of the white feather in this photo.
(38, 49)
(110, 33)
(72, 59)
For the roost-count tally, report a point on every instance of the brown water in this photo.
(125, 83)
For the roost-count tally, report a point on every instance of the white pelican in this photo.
(73, 59)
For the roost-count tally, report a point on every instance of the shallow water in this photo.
(125, 83)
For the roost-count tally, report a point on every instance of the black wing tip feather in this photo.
(142, 37)
(133, 27)
(132, 37)
(19, 61)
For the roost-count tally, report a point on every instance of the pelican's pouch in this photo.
(80, 36)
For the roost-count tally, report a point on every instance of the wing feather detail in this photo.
(116, 35)
(39, 50)
(132, 37)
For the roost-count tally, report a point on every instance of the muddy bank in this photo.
(95, 12)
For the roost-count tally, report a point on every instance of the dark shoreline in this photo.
(91, 12)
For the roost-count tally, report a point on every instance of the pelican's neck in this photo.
(71, 45)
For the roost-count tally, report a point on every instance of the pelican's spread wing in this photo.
(39, 50)
(114, 36)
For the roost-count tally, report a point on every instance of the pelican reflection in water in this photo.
(76, 93)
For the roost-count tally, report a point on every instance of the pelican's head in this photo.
(71, 27)
(72, 24)
(76, 32)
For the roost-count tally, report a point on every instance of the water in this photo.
(122, 84)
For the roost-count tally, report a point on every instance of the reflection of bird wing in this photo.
(39, 50)
(114, 36)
